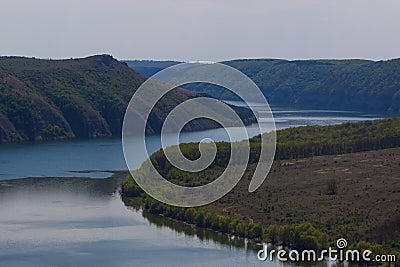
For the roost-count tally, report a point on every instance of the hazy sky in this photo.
(201, 29)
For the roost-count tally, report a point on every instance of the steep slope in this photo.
(84, 98)
(52, 99)
(339, 84)
(369, 86)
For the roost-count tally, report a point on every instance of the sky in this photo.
(206, 30)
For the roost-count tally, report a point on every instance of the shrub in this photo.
(332, 188)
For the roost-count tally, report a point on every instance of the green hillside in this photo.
(337, 84)
(47, 99)
(83, 98)
(369, 86)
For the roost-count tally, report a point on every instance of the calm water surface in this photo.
(71, 225)
(80, 221)
(96, 158)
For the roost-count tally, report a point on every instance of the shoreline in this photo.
(345, 167)
(88, 185)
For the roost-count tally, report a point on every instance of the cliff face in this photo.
(85, 98)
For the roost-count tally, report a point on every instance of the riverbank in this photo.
(299, 213)
(308, 201)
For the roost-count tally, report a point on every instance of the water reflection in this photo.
(81, 222)
(205, 235)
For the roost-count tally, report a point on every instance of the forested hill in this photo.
(369, 86)
(337, 84)
(303, 142)
(84, 98)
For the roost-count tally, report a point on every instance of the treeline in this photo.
(309, 141)
(302, 236)
(240, 226)
(301, 142)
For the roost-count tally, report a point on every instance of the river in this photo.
(58, 206)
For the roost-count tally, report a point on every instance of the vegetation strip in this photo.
(233, 214)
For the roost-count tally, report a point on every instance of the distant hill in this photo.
(83, 98)
(149, 67)
(369, 86)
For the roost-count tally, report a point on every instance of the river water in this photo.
(53, 213)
